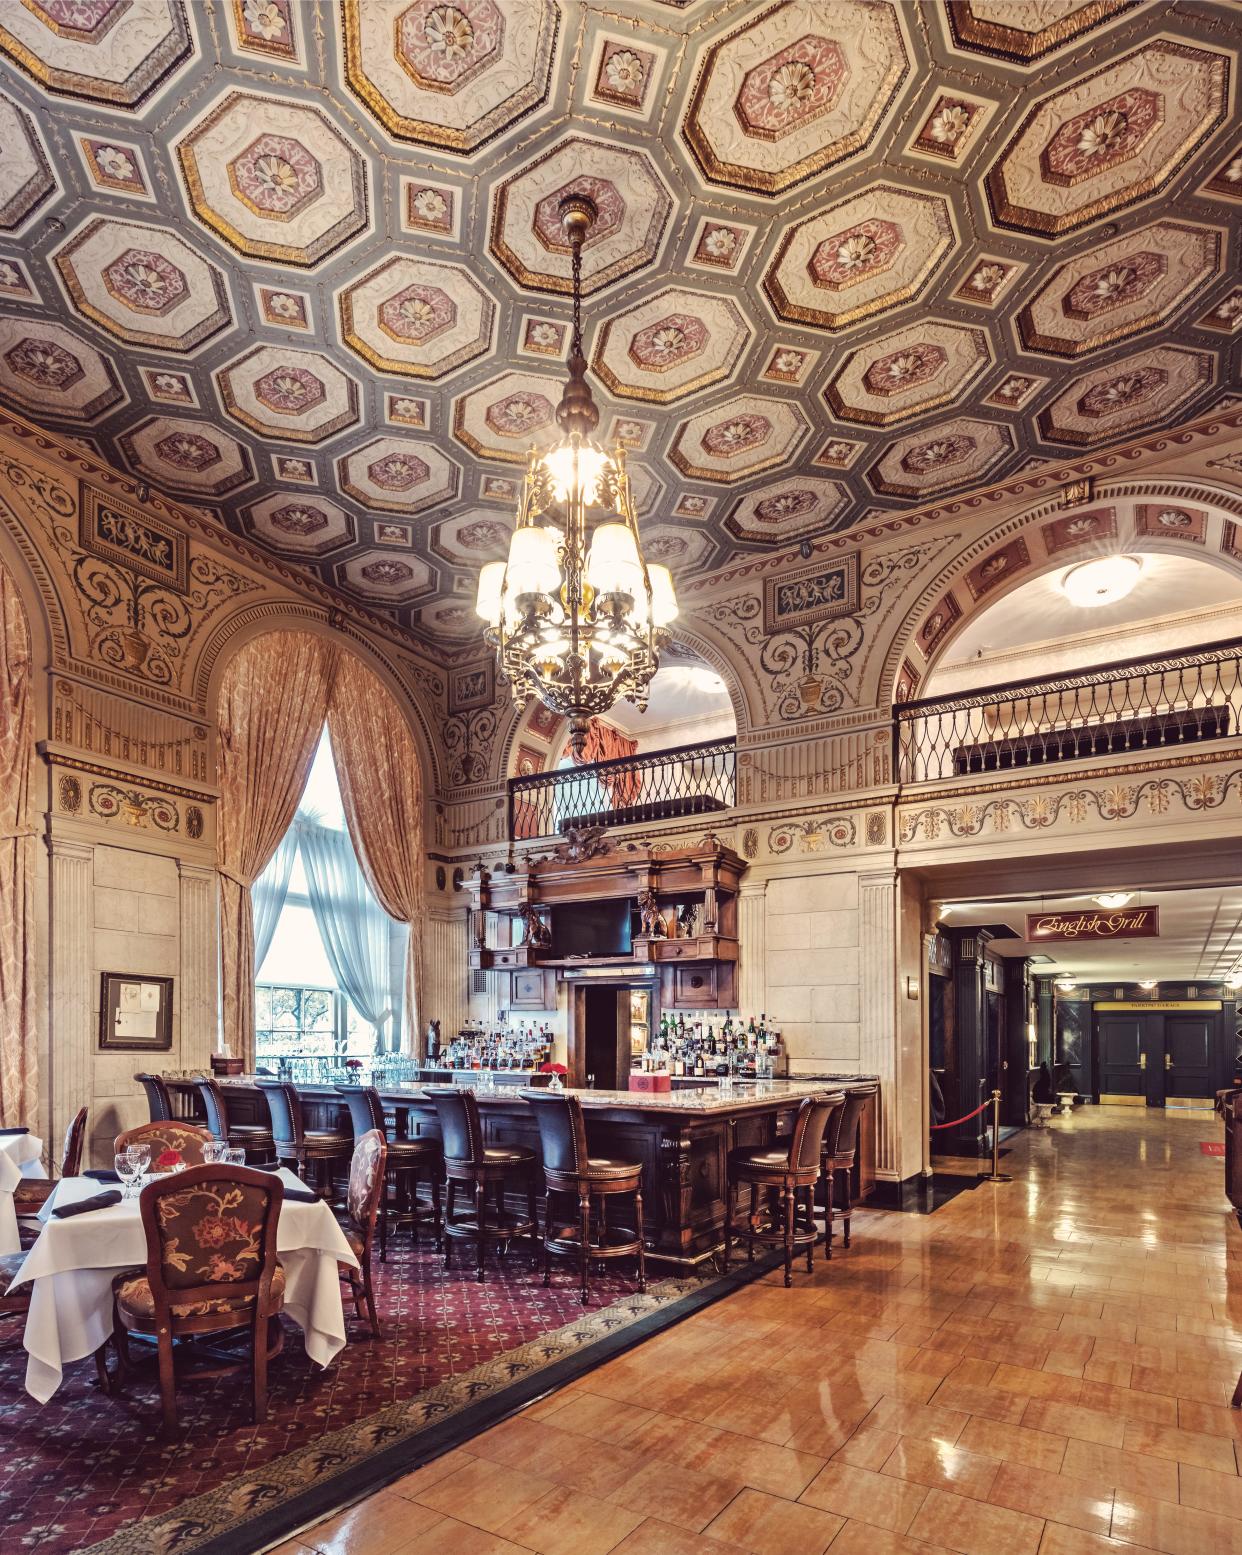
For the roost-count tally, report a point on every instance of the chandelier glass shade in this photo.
(577, 615)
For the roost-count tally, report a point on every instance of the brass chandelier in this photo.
(577, 616)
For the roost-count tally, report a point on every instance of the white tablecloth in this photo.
(72, 1264)
(20, 1156)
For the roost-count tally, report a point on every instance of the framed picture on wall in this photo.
(135, 1013)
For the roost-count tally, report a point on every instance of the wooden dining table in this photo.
(72, 1264)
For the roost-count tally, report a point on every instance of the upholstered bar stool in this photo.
(407, 1161)
(571, 1171)
(840, 1152)
(480, 1167)
(159, 1098)
(254, 1138)
(322, 1148)
(788, 1171)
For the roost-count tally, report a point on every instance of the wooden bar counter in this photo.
(682, 1137)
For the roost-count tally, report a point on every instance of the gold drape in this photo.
(273, 704)
(19, 1060)
(381, 790)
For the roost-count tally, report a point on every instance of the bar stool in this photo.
(570, 1170)
(254, 1138)
(840, 1151)
(468, 1160)
(407, 1160)
(790, 1169)
(303, 1146)
(159, 1099)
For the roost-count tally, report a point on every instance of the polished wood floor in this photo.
(1041, 1368)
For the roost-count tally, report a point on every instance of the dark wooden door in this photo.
(1188, 1057)
(1122, 1056)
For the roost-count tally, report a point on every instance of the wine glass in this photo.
(127, 1170)
(214, 1151)
(140, 1155)
(234, 1157)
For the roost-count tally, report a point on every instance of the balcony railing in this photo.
(1138, 704)
(693, 780)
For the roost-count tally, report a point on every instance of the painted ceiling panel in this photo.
(299, 262)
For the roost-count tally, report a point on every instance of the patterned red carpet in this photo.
(87, 1468)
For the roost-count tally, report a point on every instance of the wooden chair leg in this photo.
(168, 1383)
(547, 1234)
(101, 1368)
(530, 1208)
(480, 1221)
(437, 1218)
(383, 1218)
(787, 1198)
(448, 1220)
(355, 1292)
(642, 1250)
(810, 1228)
(372, 1315)
(848, 1206)
(584, 1233)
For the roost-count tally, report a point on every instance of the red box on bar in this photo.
(660, 1081)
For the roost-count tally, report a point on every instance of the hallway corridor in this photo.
(1040, 1368)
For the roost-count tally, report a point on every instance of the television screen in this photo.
(591, 929)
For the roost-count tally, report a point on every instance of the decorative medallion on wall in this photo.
(1171, 521)
(111, 528)
(69, 792)
(473, 686)
(815, 593)
(812, 836)
(1076, 529)
(193, 823)
(998, 567)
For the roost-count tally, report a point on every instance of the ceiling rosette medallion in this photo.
(275, 179)
(789, 510)
(293, 396)
(307, 525)
(450, 76)
(860, 257)
(193, 457)
(670, 346)
(794, 90)
(114, 52)
(398, 475)
(1025, 33)
(908, 372)
(633, 201)
(738, 439)
(960, 453)
(417, 318)
(46, 368)
(1109, 139)
(1118, 289)
(26, 176)
(145, 285)
(385, 576)
(507, 417)
(1138, 391)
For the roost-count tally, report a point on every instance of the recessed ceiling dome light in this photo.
(1101, 582)
(1113, 899)
(1234, 980)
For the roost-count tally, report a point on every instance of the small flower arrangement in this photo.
(353, 1063)
(169, 1160)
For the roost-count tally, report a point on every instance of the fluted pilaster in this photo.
(878, 1036)
(752, 922)
(200, 966)
(71, 1036)
(445, 947)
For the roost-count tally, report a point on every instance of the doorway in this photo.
(1156, 1057)
(610, 1025)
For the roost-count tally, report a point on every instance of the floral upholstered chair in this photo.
(367, 1170)
(172, 1144)
(211, 1267)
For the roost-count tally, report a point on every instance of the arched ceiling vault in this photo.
(298, 264)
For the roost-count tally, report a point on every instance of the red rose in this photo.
(168, 1159)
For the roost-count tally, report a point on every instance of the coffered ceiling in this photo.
(299, 263)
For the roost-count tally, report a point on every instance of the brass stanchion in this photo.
(996, 1174)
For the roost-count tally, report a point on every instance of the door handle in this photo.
(1168, 1060)
(1142, 1060)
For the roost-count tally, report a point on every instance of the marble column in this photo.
(752, 921)
(200, 966)
(878, 1036)
(71, 1025)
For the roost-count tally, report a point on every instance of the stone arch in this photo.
(1117, 516)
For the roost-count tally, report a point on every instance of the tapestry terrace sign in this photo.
(1133, 923)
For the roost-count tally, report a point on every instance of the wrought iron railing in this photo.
(1138, 704)
(692, 780)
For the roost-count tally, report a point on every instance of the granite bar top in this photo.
(710, 1099)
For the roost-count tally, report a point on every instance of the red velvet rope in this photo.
(955, 1121)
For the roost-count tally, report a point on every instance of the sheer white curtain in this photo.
(357, 934)
(267, 895)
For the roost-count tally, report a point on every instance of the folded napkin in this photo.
(101, 1174)
(83, 1206)
(21, 1130)
(301, 1196)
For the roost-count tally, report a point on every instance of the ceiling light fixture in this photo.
(577, 616)
(1101, 582)
(1234, 980)
(1065, 983)
(1113, 899)
(1149, 984)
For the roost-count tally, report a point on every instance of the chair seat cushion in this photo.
(357, 1242)
(10, 1263)
(134, 1298)
(257, 1130)
(606, 1166)
(408, 1152)
(508, 1155)
(759, 1158)
(327, 1139)
(31, 1194)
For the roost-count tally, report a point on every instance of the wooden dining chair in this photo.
(211, 1268)
(367, 1177)
(32, 1193)
(166, 1139)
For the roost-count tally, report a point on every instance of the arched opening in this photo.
(19, 1054)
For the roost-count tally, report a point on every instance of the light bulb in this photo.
(1113, 899)
(491, 585)
(663, 595)
(574, 471)
(1101, 582)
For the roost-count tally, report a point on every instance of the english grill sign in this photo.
(1133, 923)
